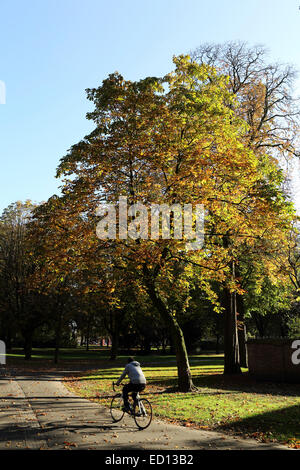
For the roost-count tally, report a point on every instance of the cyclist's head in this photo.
(130, 359)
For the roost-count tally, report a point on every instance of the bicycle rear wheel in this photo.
(116, 408)
(142, 413)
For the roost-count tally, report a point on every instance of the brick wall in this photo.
(272, 360)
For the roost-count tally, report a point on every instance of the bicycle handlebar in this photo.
(114, 385)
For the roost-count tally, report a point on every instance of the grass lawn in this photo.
(237, 404)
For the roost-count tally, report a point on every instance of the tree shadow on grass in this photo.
(247, 384)
(211, 379)
(282, 424)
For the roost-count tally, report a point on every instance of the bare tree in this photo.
(264, 94)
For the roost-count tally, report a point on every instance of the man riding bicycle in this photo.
(137, 381)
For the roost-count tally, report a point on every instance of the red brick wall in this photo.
(273, 361)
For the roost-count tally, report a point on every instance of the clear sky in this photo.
(51, 50)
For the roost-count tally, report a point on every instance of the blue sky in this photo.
(51, 50)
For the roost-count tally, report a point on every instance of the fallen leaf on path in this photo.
(70, 444)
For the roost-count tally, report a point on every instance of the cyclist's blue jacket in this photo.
(134, 372)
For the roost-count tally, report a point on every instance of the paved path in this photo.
(38, 412)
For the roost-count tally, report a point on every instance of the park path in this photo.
(38, 412)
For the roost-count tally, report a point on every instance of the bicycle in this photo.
(140, 409)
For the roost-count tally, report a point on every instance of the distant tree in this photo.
(21, 309)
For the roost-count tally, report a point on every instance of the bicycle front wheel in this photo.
(116, 408)
(142, 413)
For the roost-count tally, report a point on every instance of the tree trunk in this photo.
(231, 343)
(217, 344)
(185, 383)
(114, 337)
(146, 345)
(8, 341)
(242, 333)
(114, 346)
(164, 346)
(27, 334)
(88, 334)
(57, 338)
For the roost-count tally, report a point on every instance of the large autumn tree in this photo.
(174, 140)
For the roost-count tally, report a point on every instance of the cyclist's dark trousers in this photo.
(131, 388)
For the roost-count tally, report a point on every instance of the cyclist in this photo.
(137, 381)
